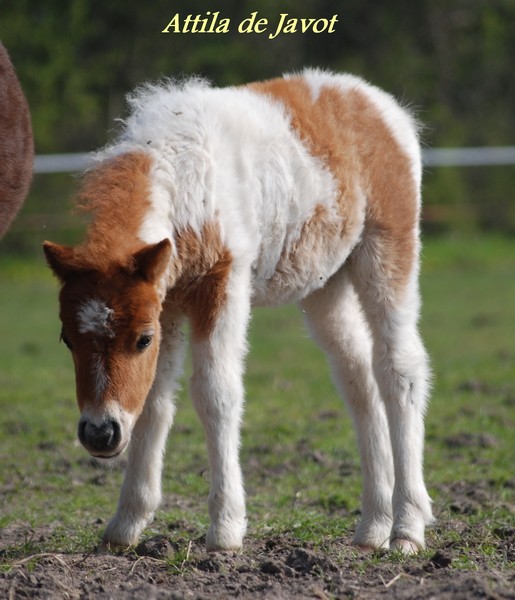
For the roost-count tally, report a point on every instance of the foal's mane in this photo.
(116, 196)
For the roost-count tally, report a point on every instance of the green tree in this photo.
(451, 60)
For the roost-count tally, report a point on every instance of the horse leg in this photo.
(218, 395)
(335, 319)
(391, 306)
(141, 490)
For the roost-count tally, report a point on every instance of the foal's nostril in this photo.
(81, 432)
(99, 438)
(117, 434)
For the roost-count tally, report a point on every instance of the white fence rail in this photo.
(469, 157)
(432, 157)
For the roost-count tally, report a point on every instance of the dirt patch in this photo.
(470, 557)
(280, 567)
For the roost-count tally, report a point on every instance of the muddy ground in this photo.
(458, 567)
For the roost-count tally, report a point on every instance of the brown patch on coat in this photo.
(394, 204)
(321, 227)
(299, 265)
(200, 277)
(117, 194)
(346, 131)
(326, 130)
(16, 143)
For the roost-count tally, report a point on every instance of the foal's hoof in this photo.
(225, 546)
(225, 539)
(365, 548)
(404, 546)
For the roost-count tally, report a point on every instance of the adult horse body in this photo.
(301, 189)
(16, 143)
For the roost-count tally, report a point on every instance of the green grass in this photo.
(298, 452)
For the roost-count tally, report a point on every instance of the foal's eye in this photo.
(66, 341)
(144, 342)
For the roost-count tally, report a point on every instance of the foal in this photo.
(302, 189)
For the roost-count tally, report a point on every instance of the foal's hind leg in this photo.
(390, 301)
(336, 322)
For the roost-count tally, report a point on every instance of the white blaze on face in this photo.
(99, 373)
(95, 317)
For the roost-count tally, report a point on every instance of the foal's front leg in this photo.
(141, 491)
(218, 395)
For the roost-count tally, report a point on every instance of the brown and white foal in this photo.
(302, 189)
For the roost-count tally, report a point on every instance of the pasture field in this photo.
(298, 454)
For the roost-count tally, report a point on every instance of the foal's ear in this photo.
(60, 259)
(151, 261)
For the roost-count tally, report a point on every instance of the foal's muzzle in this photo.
(103, 439)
